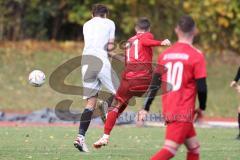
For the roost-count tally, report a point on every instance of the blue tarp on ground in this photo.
(48, 116)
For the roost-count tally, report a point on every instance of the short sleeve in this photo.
(112, 30)
(200, 70)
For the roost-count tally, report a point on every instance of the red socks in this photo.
(163, 154)
(192, 156)
(110, 122)
(112, 118)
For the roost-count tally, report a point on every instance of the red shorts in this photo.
(180, 131)
(131, 87)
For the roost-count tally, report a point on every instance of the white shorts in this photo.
(95, 75)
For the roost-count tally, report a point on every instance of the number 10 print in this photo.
(175, 74)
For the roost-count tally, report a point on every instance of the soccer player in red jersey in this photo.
(186, 72)
(136, 76)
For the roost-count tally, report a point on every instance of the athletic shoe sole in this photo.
(76, 145)
(98, 146)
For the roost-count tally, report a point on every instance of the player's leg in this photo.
(110, 80)
(85, 120)
(87, 115)
(120, 103)
(123, 95)
(238, 137)
(175, 136)
(167, 152)
(193, 148)
(192, 143)
(103, 107)
(112, 116)
(91, 86)
(113, 113)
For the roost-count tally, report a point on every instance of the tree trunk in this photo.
(1, 27)
(57, 21)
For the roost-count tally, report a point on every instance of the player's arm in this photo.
(154, 86)
(151, 93)
(202, 97)
(152, 43)
(236, 79)
(112, 54)
(200, 74)
(202, 93)
(110, 46)
(152, 90)
(116, 56)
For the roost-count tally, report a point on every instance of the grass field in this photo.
(17, 95)
(127, 143)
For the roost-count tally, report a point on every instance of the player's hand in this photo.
(141, 117)
(166, 42)
(199, 114)
(233, 84)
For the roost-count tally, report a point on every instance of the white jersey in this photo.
(97, 33)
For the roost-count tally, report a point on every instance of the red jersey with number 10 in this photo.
(139, 55)
(184, 65)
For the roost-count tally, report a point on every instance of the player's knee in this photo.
(91, 103)
(171, 149)
(195, 150)
(113, 109)
(116, 109)
(90, 107)
(167, 152)
(119, 107)
(239, 109)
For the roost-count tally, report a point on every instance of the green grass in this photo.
(17, 95)
(127, 143)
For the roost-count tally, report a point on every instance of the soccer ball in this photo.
(36, 78)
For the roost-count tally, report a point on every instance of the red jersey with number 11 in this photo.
(184, 65)
(139, 55)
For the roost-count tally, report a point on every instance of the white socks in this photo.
(106, 136)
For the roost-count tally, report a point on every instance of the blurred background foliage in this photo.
(218, 20)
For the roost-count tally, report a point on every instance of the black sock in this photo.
(85, 121)
(239, 122)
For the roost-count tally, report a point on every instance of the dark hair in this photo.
(99, 10)
(143, 23)
(186, 24)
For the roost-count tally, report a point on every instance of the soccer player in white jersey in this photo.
(99, 33)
